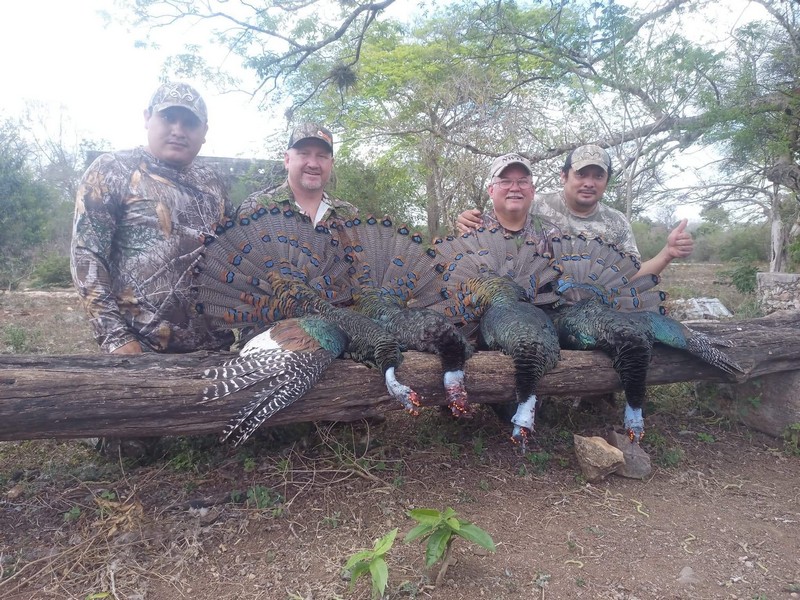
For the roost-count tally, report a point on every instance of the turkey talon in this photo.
(459, 403)
(519, 436)
(413, 403)
(634, 437)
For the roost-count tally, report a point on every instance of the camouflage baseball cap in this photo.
(179, 94)
(306, 131)
(583, 156)
(501, 162)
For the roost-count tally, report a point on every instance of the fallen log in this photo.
(152, 395)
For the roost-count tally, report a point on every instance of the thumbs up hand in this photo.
(679, 242)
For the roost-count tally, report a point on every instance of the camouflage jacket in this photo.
(535, 228)
(137, 223)
(606, 222)
(337, 209)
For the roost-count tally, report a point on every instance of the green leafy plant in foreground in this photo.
(372, 562)
(441, 529)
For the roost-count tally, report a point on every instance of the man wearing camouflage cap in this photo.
(139, 215)
(309, 163)
(511, 190)
(577, 208)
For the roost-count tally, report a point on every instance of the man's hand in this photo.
(468, 220)
(133, 347)
(679, 242)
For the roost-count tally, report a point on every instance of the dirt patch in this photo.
(278, 518)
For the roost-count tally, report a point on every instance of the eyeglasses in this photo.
(507, 184)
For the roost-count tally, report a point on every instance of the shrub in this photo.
(52, 270)
(742, 277)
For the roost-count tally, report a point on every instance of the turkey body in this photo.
(272, 266)
(392, 267)
(618, 312)
(525, 333)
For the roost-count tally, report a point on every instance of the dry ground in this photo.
(278, 518)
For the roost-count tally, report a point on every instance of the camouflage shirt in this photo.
(137, 223)
(535, 228)
(608, 223)
(336, 209)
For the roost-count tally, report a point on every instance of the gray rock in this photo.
(687, 577)
(637, 461)
(697, 309)
(596, 457)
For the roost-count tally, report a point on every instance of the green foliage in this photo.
(18, 340)
(53, 270)
(539, 460)
(706, 438)
(382, 187)
(73, 514)
(742, 277)
(261, 497)
(440, 528)
(791, 439)
(25, 208)
(372, 562)
(794, 255)
(662, 453)
(739, 243)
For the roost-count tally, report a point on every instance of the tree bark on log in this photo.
(156, 394)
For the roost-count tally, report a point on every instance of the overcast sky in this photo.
(61, 53)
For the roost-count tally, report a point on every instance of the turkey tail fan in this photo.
(232, 277)
(292, 246)
(534, 271)
(488, 252)
(389, 257)
(479, 252)
(590, 267)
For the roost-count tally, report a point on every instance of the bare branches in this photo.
(289, 31)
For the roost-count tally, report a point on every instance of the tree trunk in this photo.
(777, 234)
(157, 394)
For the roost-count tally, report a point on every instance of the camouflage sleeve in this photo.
(97, 207)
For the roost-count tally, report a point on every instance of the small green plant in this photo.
(539, 460)
(791, 439)
(16, 338)
(706, 438)
(249, 464)
(670, 458)
(262, 497)
(542, 579)
(478, 446)
(73, 514)
(332, 521)
(372, 562)
(441, 529)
